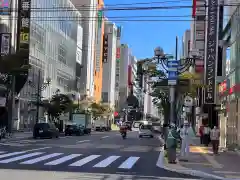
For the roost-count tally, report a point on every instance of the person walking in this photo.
(206, 135)
(185, 139)
(215, 135)
(201, 133)
(171, 144)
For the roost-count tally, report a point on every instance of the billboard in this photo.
(211, 52)
(105, 48)
(5, 7)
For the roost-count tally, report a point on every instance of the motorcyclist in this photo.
(123, 129)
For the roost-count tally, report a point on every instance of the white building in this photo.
(88, 9)
(109, 64)
(53, 47)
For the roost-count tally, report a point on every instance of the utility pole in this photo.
(172, 92)
(38, 95)
(11, 102)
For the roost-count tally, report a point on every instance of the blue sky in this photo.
(143, 37)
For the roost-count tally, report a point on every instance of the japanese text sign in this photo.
(24, 24)
(105, 48)
(212, 34)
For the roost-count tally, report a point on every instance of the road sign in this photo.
(172, 71)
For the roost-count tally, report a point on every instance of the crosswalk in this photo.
(70, 160)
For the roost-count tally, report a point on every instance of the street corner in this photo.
(195, 166)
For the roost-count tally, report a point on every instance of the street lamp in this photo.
(40, 87)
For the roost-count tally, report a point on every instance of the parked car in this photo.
(45, 130)
(74, 130)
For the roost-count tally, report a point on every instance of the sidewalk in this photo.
(202, 161)
(17, 136)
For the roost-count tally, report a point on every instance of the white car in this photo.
(145, 130)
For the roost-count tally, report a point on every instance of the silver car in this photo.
(145, 130)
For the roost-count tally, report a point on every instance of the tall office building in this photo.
(98, 65)
(124, 83)
(186, 43)
(52, 53)
(109, 63)
(117, 76)
(88, 8)
(133, 75)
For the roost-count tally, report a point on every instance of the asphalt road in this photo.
(101, 153)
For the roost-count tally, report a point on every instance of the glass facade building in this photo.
(53, 45)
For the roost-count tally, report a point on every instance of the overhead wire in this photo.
(62, 9)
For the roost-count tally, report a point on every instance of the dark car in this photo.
(45, 130)
(74, 130)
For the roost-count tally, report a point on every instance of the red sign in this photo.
(194, 8)
(118, 53)
(222, 87)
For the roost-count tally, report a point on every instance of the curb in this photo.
(188, 171)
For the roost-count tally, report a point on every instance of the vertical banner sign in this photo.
(99, 42)
(212, 35)
(105, 48)
(5, 45)
(24, 25)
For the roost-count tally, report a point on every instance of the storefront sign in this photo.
(222, 87)
(118, 53)
(105, 48)
(24, 25)
(5, 43)
(212, 34)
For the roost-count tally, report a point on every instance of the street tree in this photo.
(58, 105)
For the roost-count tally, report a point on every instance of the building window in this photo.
(62, 53)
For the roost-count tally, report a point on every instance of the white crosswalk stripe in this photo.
(85, 160)
(1, 152)
(21, 157)
(63, 159)
(107, 162)
(36, 160)
(129, 163)
(71, 160)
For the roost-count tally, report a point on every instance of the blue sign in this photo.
(172, 71)
(4, 6)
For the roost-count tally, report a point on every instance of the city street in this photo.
(102, 153)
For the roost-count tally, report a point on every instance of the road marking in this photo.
(12, 154)
(129, 163)
(85, 160)
(21, 157)
(21, 152)
(104, 137)
(36, 160)
(226, 172)
(210, 159)
(107, 162)
(63, 159)
(83, 141)
(232, 177)
(160, 161)
(1, 152)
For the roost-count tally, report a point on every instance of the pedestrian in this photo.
(185, 139)
(215, 135)
(201, 133)
(206, 135)
(171, 144)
